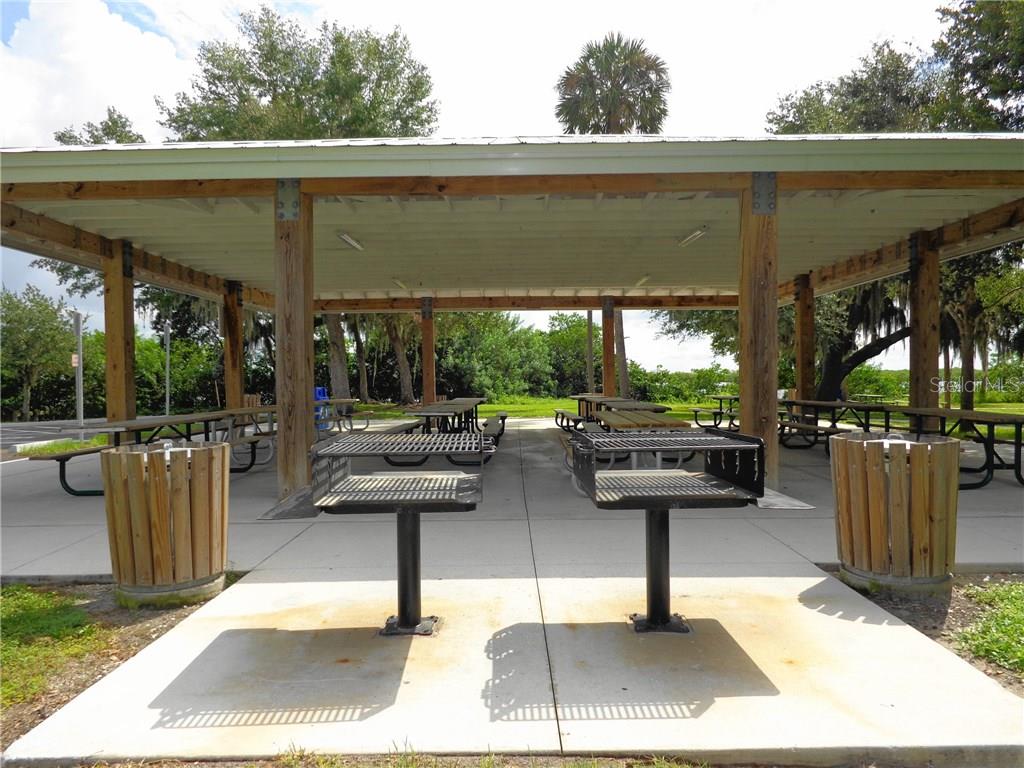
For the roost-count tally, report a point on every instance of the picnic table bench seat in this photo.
(566, 419)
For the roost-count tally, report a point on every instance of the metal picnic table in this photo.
(733, 476)
(459, 414)
(337, 490)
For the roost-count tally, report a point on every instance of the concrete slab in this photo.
(281, 661)
(24, 544)
(366, 549)
(788, 669)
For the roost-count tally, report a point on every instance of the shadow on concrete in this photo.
(249, 677)
(607, 671)
(834, 598)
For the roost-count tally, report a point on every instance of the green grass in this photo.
(60, 446)
(42, 632)
(998, 635)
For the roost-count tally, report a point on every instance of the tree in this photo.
(616, 86)
(982, 49)
(115, 129)
(37, 340)
(567, 342)
(279, 82)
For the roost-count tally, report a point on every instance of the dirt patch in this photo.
(132, 631)
(942, 620)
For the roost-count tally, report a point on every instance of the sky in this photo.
(494, 68)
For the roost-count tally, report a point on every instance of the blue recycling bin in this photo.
(320, 412)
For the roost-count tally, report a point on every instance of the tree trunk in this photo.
(983, 351)
(967, 365)
(590, 350)
(839, 361)
(398, 347)
(26, 399)
(357, 335)
(946, 373)
(337, 356)
(621, 364)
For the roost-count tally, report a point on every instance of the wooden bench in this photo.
(567, 420)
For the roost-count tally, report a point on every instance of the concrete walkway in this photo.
(785, 664)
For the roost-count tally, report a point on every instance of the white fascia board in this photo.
(513, 157)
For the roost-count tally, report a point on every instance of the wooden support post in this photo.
(608, 347)
(234, 350)
(119, 331)
(805, 345)
(924, 324)
(428, 357)
(758, 316)
(293, 330)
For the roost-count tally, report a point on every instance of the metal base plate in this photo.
(676, 624)
(427, 626)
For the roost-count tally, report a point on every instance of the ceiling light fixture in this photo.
(399, 283)
(697, 234)
(641, 281)
(350, 241)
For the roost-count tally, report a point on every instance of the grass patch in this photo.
(998, 635)
(42, 631)
(60, 446)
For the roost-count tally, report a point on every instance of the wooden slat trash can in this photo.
(896, 502)
(167, 521)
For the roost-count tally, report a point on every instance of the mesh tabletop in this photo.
(671, 488)
(375, 444)
(384, 491)
(680, 440)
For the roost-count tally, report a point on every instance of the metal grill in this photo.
(407, 445)
(679, 440)
(400, 489)
(644, 487)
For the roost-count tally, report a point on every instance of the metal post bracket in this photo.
(286, 205)
(764, 194)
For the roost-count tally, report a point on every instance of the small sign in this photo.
(74, 360)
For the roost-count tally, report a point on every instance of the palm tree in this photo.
(616, 86)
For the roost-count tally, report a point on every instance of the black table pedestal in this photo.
(409, 620)
(659, 616)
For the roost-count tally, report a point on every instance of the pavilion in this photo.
(570, 222)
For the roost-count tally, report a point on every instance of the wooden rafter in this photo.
(470, 303)
(968, 235)
(43, 236)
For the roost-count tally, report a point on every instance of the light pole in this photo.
(167, 369)
(77, 362)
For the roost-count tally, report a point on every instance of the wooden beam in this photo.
(536, 184)
(983, 230)
(608, 347)
(805, 343)
(924, 322)
(119, 332)
(795, 181)
(428, 357)
(531, 184)
(293, 263)
(234, 346)
(136, 190)
(43, 236)
(474, 303)
(758, 316)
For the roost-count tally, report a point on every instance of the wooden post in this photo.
(805, 344)
(608, 347)
(234, 350)
(758, 316)
(924, 323)
(119, 331)
(293, 330)
(428, 357)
